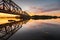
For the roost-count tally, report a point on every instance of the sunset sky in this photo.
(37, 7)
(42, 4)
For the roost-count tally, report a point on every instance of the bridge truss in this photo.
(8, 6)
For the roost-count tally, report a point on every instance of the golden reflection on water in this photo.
(31, 21)
(5, 20)
(39, 23)
(53, 21)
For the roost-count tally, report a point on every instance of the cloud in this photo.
(38, 10)
(35, 9)
(54, 9)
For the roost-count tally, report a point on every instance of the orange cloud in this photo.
(40, 11)
(35, 9)
(54, 9)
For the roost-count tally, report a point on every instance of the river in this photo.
(48, 29)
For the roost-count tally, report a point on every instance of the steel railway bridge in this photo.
(8, 29)
(10, 7)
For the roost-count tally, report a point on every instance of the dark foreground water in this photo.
(39, 30)
(36, 29)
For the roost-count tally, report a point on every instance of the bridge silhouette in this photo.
(8, 29)
(10, 7)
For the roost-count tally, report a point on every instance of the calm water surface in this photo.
(48, 29)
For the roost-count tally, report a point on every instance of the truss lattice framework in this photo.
(9, 6)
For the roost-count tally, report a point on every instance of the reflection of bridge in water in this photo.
(8, 29)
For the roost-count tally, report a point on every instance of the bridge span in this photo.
(10, 7)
